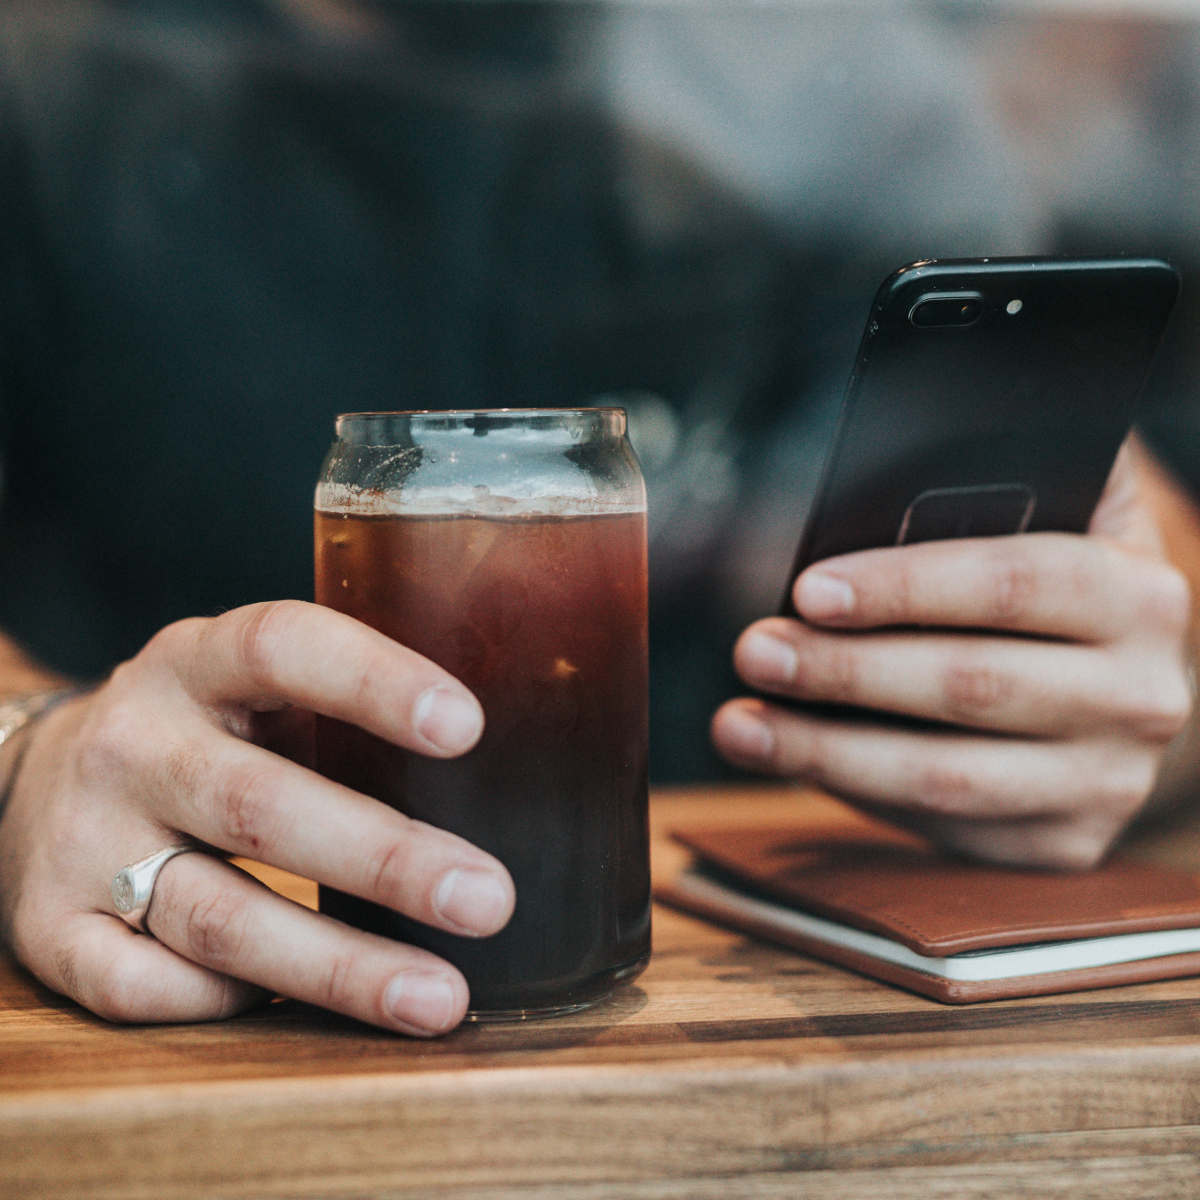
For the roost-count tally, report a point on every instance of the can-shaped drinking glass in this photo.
(508, 546)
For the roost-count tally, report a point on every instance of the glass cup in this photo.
(508, 546)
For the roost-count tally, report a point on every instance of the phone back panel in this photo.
(1010, 423)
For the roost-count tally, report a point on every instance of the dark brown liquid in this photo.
(544, 619)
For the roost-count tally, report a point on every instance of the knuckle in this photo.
(385, 870)
(795, 749)
(1013, 584)
(337, 986)
(114, 996)
(21, 926)
(1167, 599)
(261, 630)
(829, 667)
(945, 788)
(120, 993)
(970, 687)
(214, 928)
(816, 757)
(1162, 712)
(165, 655)
(901, 591)
(1176, 705)
(171, 639)
(66, 960)
(1082, 856)
(183, 768)
(1124, 787)
(113, 742)
(243, 804)
(362, 687)
(1079, 851)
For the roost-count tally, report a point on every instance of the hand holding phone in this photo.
(1045, 672)
(989, 397)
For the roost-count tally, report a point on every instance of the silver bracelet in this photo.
(19, 711)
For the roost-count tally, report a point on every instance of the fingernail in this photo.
(766, 659)
(447, 720)
(424, 1000)
(476, 901)
(822, 597)
(745, 736)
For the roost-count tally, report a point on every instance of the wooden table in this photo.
(730, 1069)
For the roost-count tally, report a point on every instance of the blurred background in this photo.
(222, 223)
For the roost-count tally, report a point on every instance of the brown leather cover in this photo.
(948, 991)
(872, 876)
(892, 883)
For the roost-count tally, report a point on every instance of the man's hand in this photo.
(170, 747)
(1052, 665)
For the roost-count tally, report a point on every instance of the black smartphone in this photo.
(989, 397)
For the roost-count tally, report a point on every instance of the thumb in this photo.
(1125, 513)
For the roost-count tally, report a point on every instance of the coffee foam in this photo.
(528, 498)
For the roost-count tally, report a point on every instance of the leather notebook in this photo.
(885, 903)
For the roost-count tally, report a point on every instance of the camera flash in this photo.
(1014, 307)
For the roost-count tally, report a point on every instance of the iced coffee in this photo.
(509, 548)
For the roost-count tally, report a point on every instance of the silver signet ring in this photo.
(133, 886)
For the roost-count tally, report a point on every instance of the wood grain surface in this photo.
(729, 1069)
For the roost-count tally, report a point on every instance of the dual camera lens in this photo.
(947, 311)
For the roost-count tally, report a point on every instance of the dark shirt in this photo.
(217, 232)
